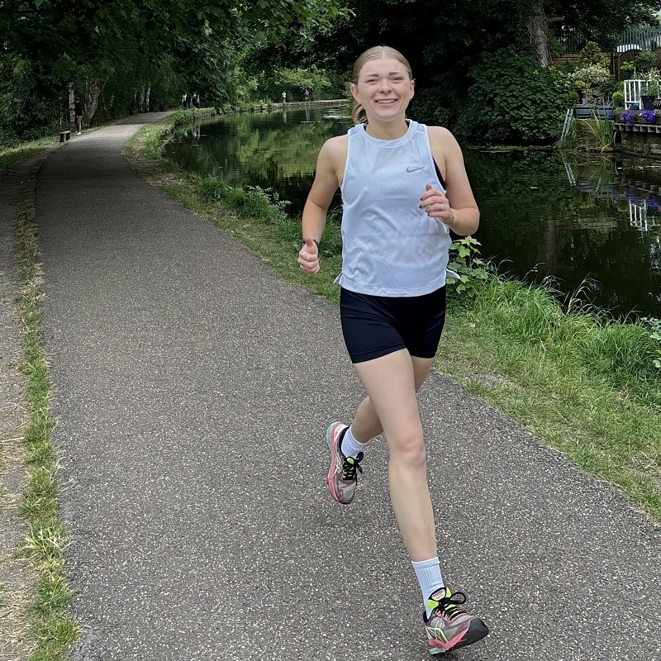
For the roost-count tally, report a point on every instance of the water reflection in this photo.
(543, 213)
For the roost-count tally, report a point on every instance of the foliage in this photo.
(512, 101)
(603, 131)
(652, 84)
(115, 52)
(653, 325)
(591, 55)
(252, 201)
(272, 83)
(644, 61)
(473, 270)
(590, 81)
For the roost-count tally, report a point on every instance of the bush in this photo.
(514, 102)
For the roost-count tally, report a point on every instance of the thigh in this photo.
(421, 368)
(390, 382)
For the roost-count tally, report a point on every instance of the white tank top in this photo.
(391, 247)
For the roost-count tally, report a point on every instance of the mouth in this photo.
(386, 102)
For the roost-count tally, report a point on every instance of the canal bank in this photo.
(577, 218)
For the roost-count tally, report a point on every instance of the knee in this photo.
(409, 449)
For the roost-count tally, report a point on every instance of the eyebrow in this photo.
(392, 73)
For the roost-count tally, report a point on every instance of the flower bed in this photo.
(630, 117)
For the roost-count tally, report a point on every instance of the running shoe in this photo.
(448, 627)
(342, 476)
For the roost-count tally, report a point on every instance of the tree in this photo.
(128, 42)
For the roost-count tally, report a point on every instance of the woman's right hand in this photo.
(308, 256)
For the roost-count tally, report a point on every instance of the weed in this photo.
(472, 269)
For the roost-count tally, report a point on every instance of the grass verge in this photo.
(14, 155)
(53, 629)
(583, 384)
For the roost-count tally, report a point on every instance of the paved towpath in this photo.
(192, 393)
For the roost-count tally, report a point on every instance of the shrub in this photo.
(513, 101)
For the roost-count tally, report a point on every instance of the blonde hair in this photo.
(374, 53)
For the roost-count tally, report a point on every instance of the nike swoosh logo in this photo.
(414, 168)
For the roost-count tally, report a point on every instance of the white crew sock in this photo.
(429, 576)
(350, 446)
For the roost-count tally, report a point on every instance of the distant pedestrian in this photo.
(78, 110)
(284, 97)
(404, 187)
(196, 100)
(306, 94)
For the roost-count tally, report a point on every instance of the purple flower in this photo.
(626, 116)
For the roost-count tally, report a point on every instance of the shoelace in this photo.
(349, 466)
(448, 606)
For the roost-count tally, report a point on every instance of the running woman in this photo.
(404, 187)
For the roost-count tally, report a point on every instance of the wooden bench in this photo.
(64, 135)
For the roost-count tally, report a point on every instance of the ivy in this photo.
(511, 101)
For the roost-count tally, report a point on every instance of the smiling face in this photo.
(384, 88)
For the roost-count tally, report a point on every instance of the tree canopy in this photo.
(131, 54)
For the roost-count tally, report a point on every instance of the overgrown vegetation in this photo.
(512, 101)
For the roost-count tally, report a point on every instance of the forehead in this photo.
(383, 66)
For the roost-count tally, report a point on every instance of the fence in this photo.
(642, 38)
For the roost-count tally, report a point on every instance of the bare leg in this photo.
(366, 424)
(390, 382)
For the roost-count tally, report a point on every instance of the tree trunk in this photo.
(92, 100)
(538, 26)
(72, 100)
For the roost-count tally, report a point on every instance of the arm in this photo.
(457, 208)
(326, 182)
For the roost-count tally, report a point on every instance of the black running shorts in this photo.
(375, 326)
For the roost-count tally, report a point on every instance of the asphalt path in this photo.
(192, 391)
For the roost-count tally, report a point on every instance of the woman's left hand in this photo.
(436, 205)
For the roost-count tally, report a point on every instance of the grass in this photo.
(582, 383)
(14, 155)
(52, 628)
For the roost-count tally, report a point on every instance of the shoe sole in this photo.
(332, 446)
(476, 631)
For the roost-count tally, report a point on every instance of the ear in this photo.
(354, 92)
(412, 89)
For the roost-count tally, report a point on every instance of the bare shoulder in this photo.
(442, 137)
(335, 148)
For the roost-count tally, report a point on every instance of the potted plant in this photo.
(652, 88)
(588, 81)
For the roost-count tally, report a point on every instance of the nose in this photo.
(385, 85)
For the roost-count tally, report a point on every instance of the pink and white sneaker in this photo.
(342, 476)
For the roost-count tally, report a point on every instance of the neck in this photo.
(389, 131)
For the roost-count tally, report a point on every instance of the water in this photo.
(543, 213)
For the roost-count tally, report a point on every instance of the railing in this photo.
(633, 90)
(642, 38)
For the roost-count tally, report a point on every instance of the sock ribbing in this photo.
(428, 573)
(350, 446)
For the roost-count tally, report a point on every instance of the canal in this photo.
(588, 222)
